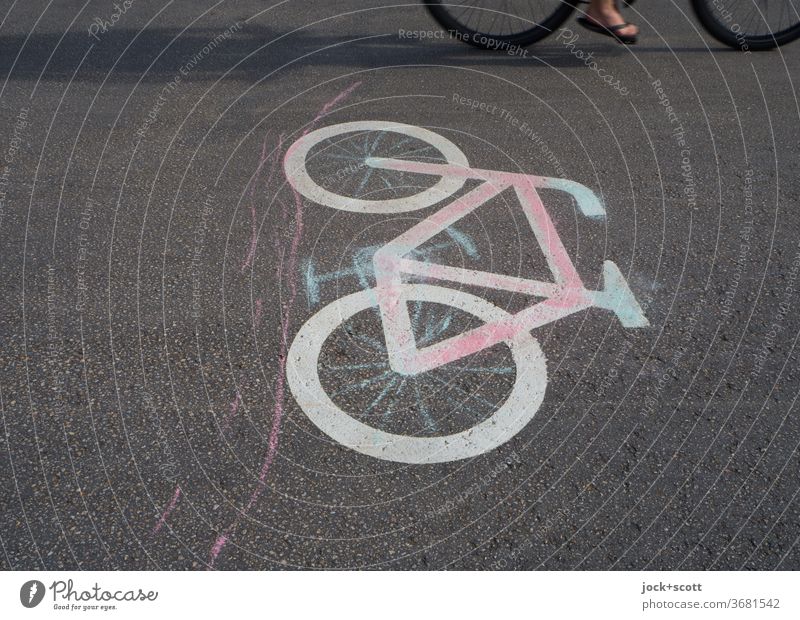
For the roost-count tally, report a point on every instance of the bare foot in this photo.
(611, 17)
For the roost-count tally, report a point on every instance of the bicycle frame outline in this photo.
(564, 297)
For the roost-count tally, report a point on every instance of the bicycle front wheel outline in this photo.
(299, 178)
(514, 414)
(731, 33)
(443, 11)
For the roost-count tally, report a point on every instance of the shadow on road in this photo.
(255, 50)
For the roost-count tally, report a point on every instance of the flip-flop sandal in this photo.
(609, 31)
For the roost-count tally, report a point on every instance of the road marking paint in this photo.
(564, 296)
(514, 414)
(294, 165)
(280, 383)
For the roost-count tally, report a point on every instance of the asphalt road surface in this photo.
(199, 369)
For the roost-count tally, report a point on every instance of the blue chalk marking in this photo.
(387, 414)
(377, 346)
(416, 316)
(370, 150)
(618, 297)
(374, 366)
(464, 240)
(362, 268)
(587, 200)
(386, 182)
(314, 279)
(492, 406)
(435, 328)
(401, 143)
(430, 422)
(381, 396)
(460, 406)
(367, 382)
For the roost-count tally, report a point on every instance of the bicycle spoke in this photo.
(504, 20)
(748, 19)
(431, 423)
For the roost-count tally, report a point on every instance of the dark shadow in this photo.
(61, 59)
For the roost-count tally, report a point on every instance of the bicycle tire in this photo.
(507, 421)
(723, 31)
(442, 11)
(298, 177)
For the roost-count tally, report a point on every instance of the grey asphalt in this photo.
(155, 269)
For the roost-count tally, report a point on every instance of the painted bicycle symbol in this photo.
(438, 170)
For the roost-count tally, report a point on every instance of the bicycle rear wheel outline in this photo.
(294, 165)
(443, 12)
(514, 414)
(706, 15)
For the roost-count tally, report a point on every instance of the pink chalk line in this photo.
(272, 158)
(280, 381)
(232, 410)
(168, 511)
(237, 401)
(259, 311)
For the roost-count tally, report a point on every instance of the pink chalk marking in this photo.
(219, 543)
(253, 219)
(168, 511)
(280, 384)
(565, 296)
(490, 334)
(231, 413)
(280, 381)
(273, 159)
(486, 279)
(554, 251)
(330, 105)
(259, 312)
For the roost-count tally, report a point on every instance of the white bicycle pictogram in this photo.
(442, 177)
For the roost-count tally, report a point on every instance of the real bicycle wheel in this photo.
(750, 24)
(338, 373)
(331, 166)
(497, 25)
